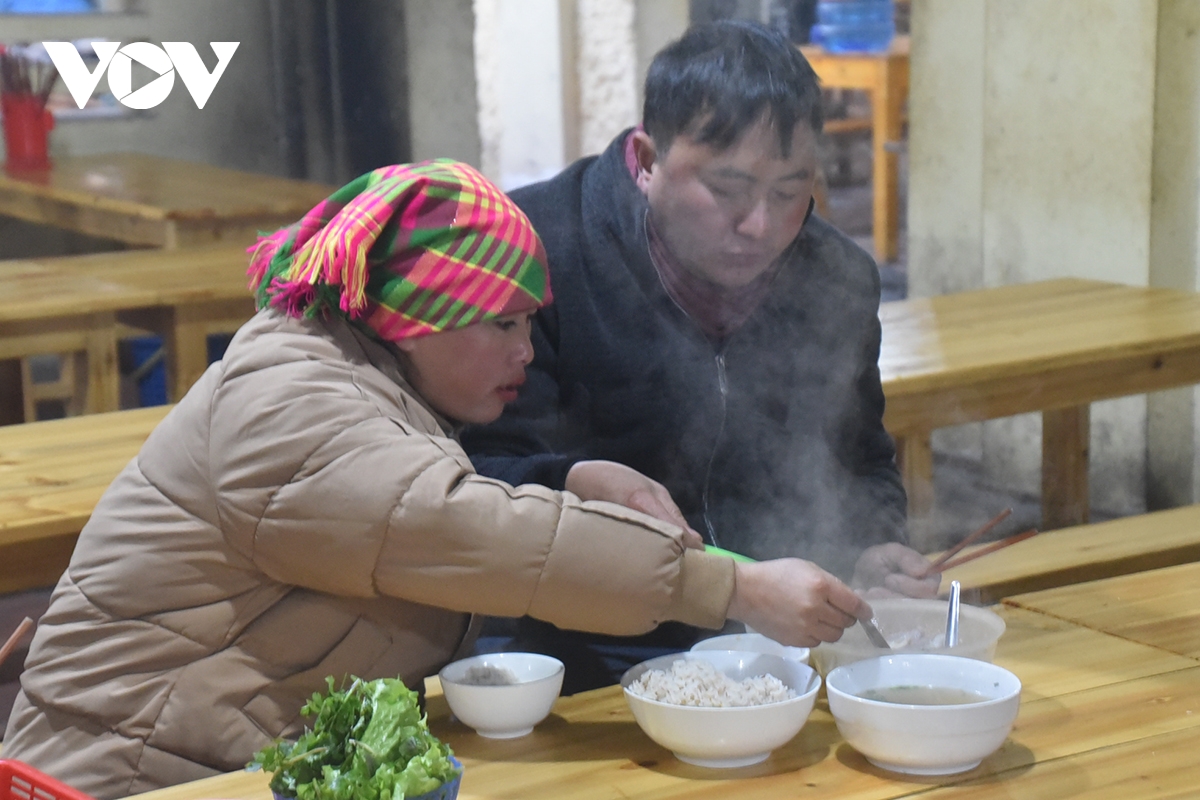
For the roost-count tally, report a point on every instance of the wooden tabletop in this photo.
(161, 202)
(1052, 347)
(1160, 608)
(1030, 347)
(51, 477)
(1098, 711)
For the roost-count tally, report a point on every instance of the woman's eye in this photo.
(506, 324)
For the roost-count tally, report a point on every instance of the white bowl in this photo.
(924, 739)
(726, 737)
(503, 711)
(978, 631)
(752, 643)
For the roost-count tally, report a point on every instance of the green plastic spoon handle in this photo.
(708, 548)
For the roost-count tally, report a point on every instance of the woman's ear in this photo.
(405, 345)
(646, 155)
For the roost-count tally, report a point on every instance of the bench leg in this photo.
(1066, 435)
(914, 457)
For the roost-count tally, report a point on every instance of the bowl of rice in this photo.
(721, 708)
(502, 695)
(914, 626)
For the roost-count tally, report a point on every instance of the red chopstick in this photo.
(939, 564)
(15, 639)
(991, 548)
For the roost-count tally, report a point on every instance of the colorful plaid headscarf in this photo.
(406, 250)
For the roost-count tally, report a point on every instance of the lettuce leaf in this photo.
(368, 742)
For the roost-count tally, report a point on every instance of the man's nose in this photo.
(756, 221)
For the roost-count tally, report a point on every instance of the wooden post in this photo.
(1065, 441)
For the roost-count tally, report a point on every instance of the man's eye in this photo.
(784, 196)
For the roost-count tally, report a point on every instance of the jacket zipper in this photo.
(723, 385)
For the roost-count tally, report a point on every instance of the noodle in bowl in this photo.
(721, 708)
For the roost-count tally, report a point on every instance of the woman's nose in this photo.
(525, 350)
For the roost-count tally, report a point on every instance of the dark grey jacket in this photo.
(771, 442)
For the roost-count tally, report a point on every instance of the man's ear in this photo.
(646, 155)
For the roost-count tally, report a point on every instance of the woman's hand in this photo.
(893, 570)
(617, 483)
(794, 602)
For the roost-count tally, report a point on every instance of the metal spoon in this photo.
(874, 634)
(952, 615)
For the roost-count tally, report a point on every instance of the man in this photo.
(712, 334)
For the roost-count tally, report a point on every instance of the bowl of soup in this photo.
(914, 626)
(924, 714)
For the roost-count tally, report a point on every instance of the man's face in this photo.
(726, 215)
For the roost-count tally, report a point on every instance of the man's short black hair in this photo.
(721, 78)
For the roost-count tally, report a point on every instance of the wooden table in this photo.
(1100, 714)
(884, 77)
(157, 202)
(1159, 608)
(72, 304)
(51, 477)
(1052, 347)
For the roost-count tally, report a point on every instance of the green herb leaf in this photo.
(367, 742)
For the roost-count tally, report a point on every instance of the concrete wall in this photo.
(442, 89)
(1059, 139)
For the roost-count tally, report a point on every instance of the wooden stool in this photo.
(87, 348)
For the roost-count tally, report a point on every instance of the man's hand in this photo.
(617, 483)
(893, 570)
(794, 602)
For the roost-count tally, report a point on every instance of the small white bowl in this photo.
(726, 737)
(978, 631)
(924, 739)
(503, 711)
(752, 643)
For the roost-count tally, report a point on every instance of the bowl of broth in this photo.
(924, 714)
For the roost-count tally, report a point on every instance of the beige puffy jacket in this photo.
(302, 513)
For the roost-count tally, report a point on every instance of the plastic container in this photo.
(978, 632)
(27, 126)
(19, 781)
(855, 26)
(150, 370)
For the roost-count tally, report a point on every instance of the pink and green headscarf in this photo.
(406, 250)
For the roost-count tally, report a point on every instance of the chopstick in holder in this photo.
(937, 565)
(991, 548)
(15, 639)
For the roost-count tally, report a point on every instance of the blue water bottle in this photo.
(855, 26)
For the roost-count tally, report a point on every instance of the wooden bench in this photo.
(70, 306)
(52, 474)
(1080, 554)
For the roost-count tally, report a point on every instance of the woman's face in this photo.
(468, 374)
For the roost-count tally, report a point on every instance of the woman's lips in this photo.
(509, 393)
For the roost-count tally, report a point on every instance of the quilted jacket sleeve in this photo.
(320, 489)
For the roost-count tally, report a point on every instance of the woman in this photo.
(305, 510)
